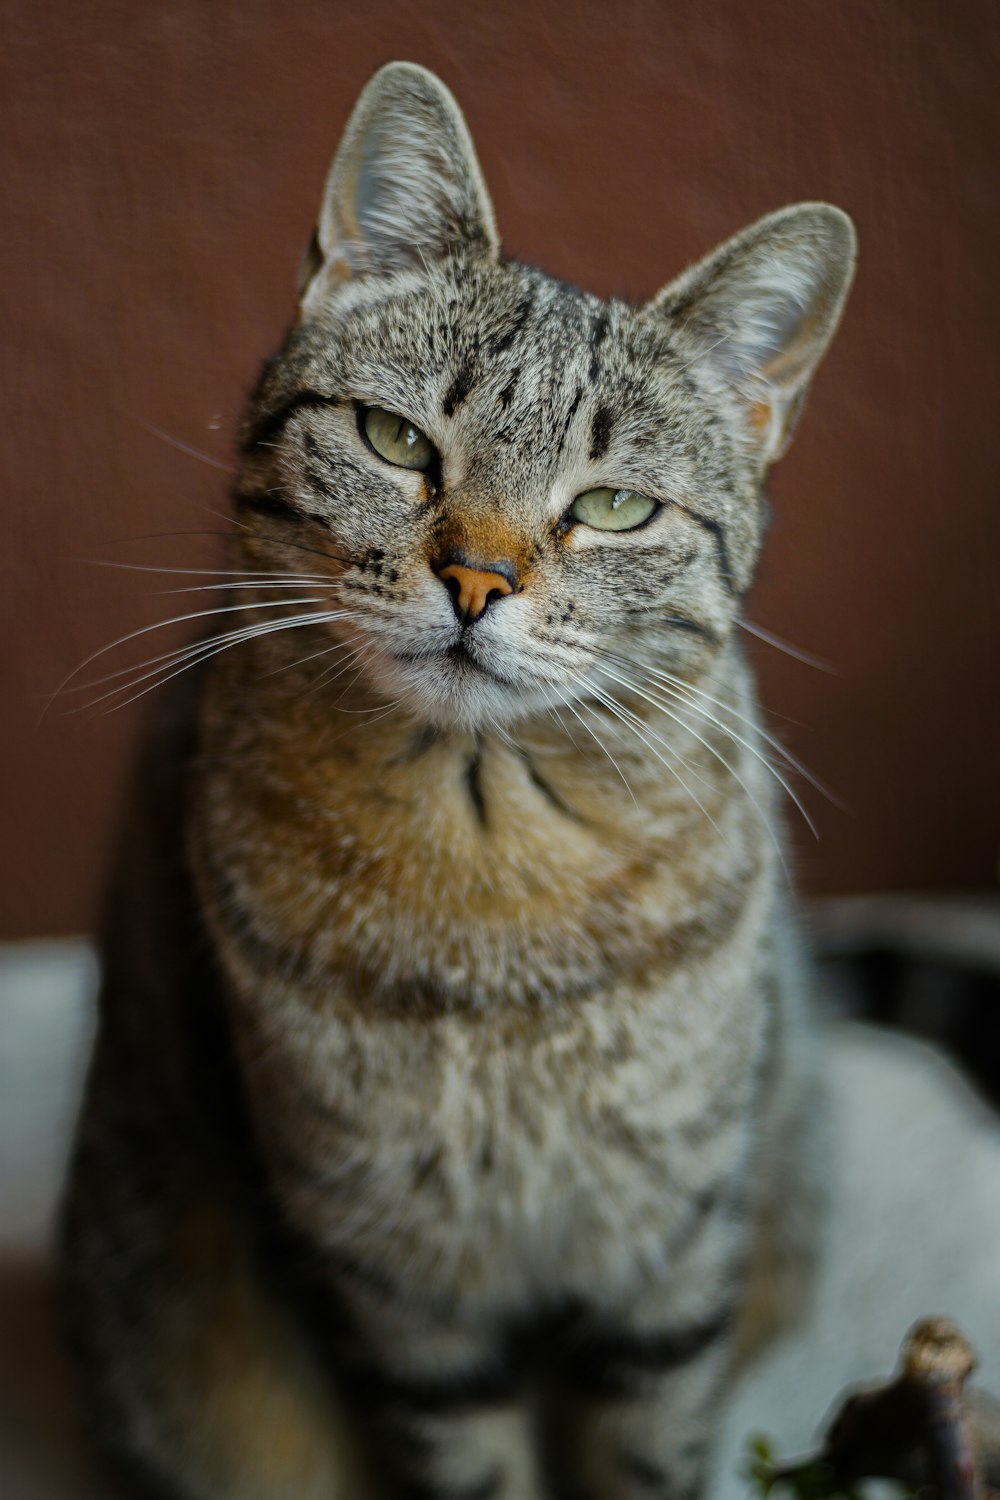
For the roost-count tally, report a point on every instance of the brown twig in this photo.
(922, 1427)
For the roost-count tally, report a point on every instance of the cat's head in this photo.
(524, 487)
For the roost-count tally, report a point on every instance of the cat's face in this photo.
(525, 488)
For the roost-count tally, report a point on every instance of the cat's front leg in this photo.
(441, 1403)
(643, 1381)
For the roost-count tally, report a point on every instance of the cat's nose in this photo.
(473, 590)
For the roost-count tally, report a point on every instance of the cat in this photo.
(451, 1118)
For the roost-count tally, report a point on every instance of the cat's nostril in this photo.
(473, 590)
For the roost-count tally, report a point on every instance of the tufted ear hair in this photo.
(764, 307)
(405, 187)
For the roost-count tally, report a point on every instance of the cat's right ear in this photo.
(405, 187)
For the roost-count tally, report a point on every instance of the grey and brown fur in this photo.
(449, 1115)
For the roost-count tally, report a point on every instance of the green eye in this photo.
(397, 440)
(612, 510)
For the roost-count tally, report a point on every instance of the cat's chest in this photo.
(514, 1159)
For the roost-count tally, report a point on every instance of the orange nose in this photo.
(472, 589)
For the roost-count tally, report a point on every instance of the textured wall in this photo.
(161, 167)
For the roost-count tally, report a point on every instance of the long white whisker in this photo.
(182, 447)
(553, 714)
(253, 583)
(375, 713)
(693, 696)
(781, 645)
(636, 725)
(250, 573)
(684, 693)
(299, 661)
(227, 536)
(726, 707)
(189, 654)
(200, 614)
(733, 735)
(277, 541)
(337, 668)
(632, 687)
(192, 649)
(599, 742)
(197, 654)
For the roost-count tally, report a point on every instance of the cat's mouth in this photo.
(457, 657)
(462, 683)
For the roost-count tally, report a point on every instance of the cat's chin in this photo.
(452, 690)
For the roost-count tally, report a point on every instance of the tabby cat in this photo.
(448, 1125)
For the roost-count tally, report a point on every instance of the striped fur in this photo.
(450, 1116)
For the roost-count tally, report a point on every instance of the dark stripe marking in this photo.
(418, 744)
(597, 337)
(681, 622)
(268, 427)
(464, 1390)
(612, 1364)
(269, 503)
(705, 1204)
(600, 432)
(503, 341)
(319, 484)
(547, 790)
(716, 530)
(506, 396)
(473, 780)
(567, 422)
(459, 389)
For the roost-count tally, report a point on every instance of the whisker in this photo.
(200, 614)
(227, 536)
(711, 719)
(181, 446)
(636, 725)
(712, 751)
(337, 669)
(600, 743)
(280, 541)
(782, 645)
(299, 661)
(376, 714)
(250, 573)
(189, 652)
(693, 695)
(179, 653)
(553, 714)
(202, 652)
(792, 761)
(253, 583)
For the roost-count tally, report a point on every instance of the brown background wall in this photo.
(163, 162)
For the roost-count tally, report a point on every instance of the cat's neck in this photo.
(338, 840)
(618, 763)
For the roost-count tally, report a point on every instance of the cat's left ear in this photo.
(405, 187)
(763, 308)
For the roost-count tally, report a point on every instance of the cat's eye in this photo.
(613, 510)
(397, 440)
